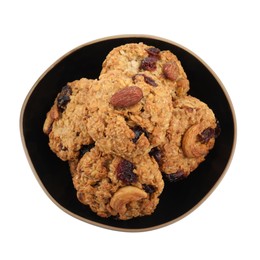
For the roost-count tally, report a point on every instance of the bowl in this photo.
(178, 199)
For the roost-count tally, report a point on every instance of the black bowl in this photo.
(178, 199)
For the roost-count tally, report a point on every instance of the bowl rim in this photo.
(120, 36)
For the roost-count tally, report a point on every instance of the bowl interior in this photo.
(53, 174)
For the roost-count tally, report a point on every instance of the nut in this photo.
(126, 97)
(54, 112)
(191, 145)
(171, 70)
(124, 196)
(52, 115)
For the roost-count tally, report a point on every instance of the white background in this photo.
(225, 34)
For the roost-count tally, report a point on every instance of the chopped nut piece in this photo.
(171, 70)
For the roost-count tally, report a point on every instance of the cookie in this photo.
(66, 122)
(133, 130)
(190, 137)
(159, 67)
(113, 186)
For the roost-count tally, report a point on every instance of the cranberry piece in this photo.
(206, 135)
(149, 63)
(64, 97)
(157, 155)
(150, 189)
(147, 79)
(85, 148)
(138, 130)
(174, 177)
(153, 52)
(150, 81)
(124, 172)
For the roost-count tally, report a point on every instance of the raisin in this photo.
(85, 148)
(150, 189)
(157, 155)
(149, 63)
(153, 52)
(174, 177)
(206, 135)
(147, 79)
(124, 172)
(64, 98)
(138, 130)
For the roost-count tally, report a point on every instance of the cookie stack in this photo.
(130, 130)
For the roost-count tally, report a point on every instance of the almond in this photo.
(171, 70)
(126, 97)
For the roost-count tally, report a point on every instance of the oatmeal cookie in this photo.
(128, 131)
(113, 186)
(190, 137)
(163, 67)
(66, 122)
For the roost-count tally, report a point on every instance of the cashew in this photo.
(124, 196)
(52, 115)
(191, 145)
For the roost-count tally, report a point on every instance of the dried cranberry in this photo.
(149, 63)
(124, 172)
(85, 148)
(157, 155)
(150, 189)
(153, 52)
(64, 97)
(206, 135)
(174, 177)
(147, 79)
(150, 81)
(138, 130)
